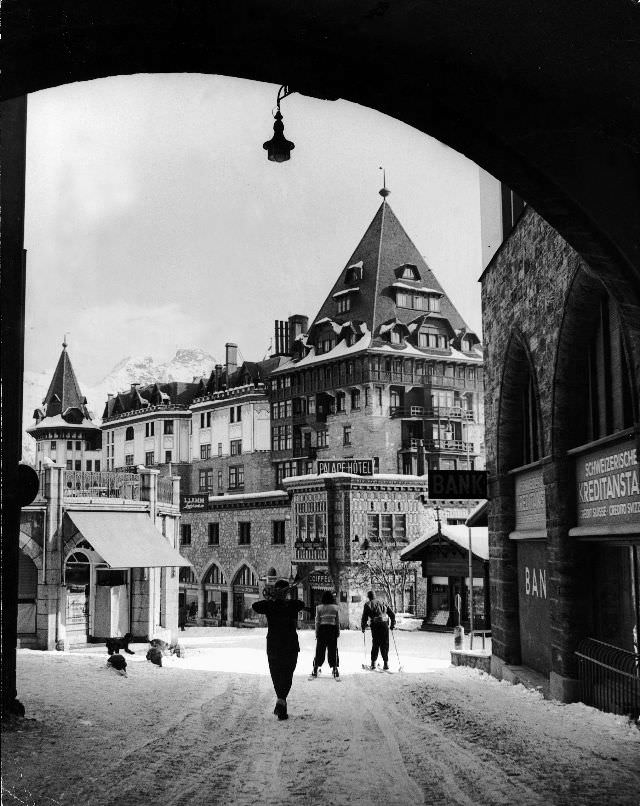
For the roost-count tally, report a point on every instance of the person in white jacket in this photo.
(327, 634)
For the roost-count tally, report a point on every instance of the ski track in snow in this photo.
(201, 730)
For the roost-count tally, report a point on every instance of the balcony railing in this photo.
(311, 552)
(450, 445)
(165, 490)
(100, 484)
(434, 413)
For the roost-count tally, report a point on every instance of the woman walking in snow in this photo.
(327, 634)
(282, 641)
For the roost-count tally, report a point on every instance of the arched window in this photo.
(187, 576)
(128, 434)
(214, 576)
(245, 576)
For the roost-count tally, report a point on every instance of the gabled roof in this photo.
(384, 248)
(458, 535)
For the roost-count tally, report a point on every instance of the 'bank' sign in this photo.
(359, 467)
(608, 486)
(457, 484)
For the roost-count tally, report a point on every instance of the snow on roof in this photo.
(346, 291)
(400, 284)
(357, 265)
(341, 349)
(456, 534)
(57, 421)
(422, 480)
(220, 499)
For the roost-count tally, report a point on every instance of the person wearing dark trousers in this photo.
(382, 618)
(282, 641)
(327, 634)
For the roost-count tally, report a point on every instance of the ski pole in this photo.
(396, 648)
(365, 665)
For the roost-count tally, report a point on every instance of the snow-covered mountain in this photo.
(186, 364)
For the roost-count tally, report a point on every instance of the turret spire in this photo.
(384, 191)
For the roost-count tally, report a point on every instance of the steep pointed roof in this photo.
(64, 404)
(64, 393)
(371, 272)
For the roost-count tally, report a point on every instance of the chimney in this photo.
(231, 359)
(298, 325)
(134, 387)
(218, 371)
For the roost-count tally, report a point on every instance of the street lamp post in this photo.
(279, 148)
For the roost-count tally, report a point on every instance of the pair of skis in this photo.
(335, 676)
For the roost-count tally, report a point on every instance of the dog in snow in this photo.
(116, 644)
(117, 663)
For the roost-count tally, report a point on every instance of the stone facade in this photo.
(559, 384)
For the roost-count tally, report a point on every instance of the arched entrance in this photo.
(246, 591)
(77, 580)
(216, 597)
(188, 588)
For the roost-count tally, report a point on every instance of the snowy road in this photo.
(201, 731)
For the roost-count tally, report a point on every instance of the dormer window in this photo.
(408, 271)
(394, 337)
(354, 273)
(343, 298)
(417, 300)
(344, 304)
(432, 338)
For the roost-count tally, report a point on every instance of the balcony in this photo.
(435, 413)
(438, 445)
(311, 552)
(100, 484)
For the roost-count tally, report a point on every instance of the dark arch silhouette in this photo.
(543, 95)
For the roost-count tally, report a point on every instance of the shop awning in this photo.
(124, 539)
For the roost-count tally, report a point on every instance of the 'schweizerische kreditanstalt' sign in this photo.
(608, 485)
(359, 467)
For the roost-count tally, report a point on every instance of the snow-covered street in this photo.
(201, 730)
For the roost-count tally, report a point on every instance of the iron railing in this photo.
(609, 677)
(165, 490)
(433, 413)
(101, 484)
(311, 552)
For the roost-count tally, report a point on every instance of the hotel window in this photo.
(220, 480)
(77, 464)
(236, 477)
(244, 533)
(434, 304)
(386, 527)
(128, 434)
(311, 405)
(399, 527)
(205, 451)
(205, 480)
(236, 447)
(278, 533)
(168, 426)
(185, 534)
(373, 528)
(409, 272)
(346, 435)
(403, 300)
(423, 339)
(97, 467)
(340, 401)
(355, 399)
(471, 374)
(344, 304)
(167, 457)
(219, 448)
(395, 337)
(321, 439)
(419, 303)
(149, 429)
(214, 534)
(89, 464)
(53, 444)
(238, 414)
(149, 458)
(205, 419)
(367, 396)
(128, 459)
(69, 445)
(69, 464)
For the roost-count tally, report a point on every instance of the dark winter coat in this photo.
(379, 613)
(282, 623)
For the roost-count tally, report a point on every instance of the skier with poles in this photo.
(327, 634)
(382, 618)
(282, 641)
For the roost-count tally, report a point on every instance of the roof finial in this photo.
(383, 191)
(64, 342)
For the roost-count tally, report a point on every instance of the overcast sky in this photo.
(154, 220)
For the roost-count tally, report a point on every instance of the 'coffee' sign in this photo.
(608, 486)
(359, 467)
(188, 503)
(457, 484)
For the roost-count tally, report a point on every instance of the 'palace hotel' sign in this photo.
(359, 467)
